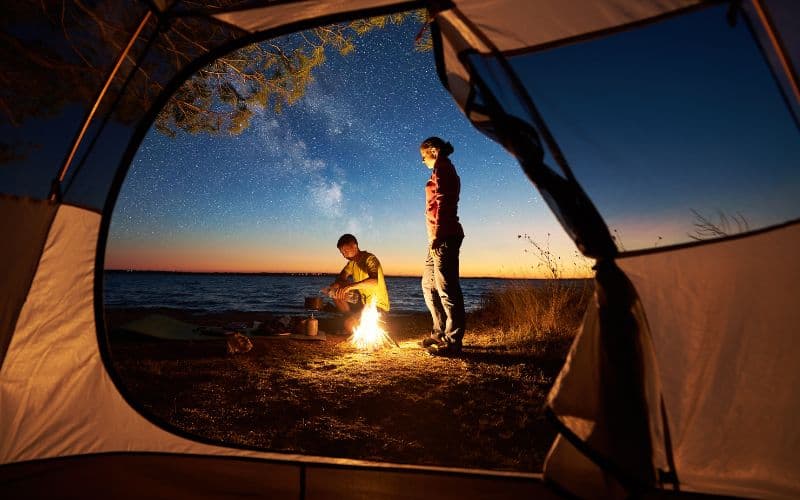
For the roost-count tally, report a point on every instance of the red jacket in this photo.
(441, 201)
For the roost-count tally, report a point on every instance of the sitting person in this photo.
(358, 283)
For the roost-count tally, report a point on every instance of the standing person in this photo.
(360, 280)
(440, 284)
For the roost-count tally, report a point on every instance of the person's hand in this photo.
(340, 292)
(436, 246)
(331, 290)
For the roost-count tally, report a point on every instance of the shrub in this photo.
(531, 311)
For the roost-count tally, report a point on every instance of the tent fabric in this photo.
(465, 32)
(724, 321)
(271, 16)
(105, 153)
(56, 396)
(607, 397)
(148, 475)
(570, 468)
(179, 476)
(50, 87)
(27, 221)
(720, 349)
(510, 24)
(782, 27)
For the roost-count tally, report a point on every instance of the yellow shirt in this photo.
(363, 266)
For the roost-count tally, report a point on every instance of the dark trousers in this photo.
(442, 291)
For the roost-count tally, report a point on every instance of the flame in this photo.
(369, 334)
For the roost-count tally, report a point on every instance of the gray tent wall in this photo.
(727, 357)
(62, 416)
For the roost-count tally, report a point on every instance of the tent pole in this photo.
(786, 64)
(55, 192)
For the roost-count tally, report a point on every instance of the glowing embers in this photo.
(370, 334)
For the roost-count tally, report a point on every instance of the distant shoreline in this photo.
(235, 273)
(226, 273)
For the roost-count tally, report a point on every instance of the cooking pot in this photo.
(313, 303)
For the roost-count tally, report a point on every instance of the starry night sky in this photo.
(345, 159)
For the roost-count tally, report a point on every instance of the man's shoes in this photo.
(445, 350)
(432, 341)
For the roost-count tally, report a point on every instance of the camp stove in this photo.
(312, 304)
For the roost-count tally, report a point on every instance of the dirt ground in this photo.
(483, 409)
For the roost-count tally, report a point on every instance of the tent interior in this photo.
(663, 137)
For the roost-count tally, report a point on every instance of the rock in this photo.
(238, 343)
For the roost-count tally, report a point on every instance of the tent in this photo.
(680, 382)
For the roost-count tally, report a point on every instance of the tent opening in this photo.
(228, 221)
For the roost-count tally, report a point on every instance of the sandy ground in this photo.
(397, 404)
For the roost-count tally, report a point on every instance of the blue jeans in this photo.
(442, 291)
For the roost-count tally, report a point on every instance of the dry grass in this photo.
(398, 404)
(524, 315)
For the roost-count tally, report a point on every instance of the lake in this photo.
(276, 293)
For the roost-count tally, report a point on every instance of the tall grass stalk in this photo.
(550, 310)
(526, 313)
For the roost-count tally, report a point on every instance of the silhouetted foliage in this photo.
(705, 228)
(266, 75)
(41, 74)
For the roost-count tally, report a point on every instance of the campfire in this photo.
(369, 334)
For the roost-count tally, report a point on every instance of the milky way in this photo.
(343, 159)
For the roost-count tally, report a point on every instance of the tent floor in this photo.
(176, 476)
